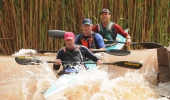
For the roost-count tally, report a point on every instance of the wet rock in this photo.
(163, 55)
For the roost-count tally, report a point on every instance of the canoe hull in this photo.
(62, 83)
(118, 45)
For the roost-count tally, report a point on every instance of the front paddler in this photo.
(73, 52)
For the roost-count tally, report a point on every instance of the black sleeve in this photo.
(59, 56)
(88, 54)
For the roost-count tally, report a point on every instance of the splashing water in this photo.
(27, 82)
(25, 52)
(98, 85)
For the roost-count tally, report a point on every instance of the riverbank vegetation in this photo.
(24, 23)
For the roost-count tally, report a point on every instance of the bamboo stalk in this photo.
(26, 23)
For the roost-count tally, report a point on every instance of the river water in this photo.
(28, 82)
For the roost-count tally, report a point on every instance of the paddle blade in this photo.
(150, 45)
(118, 52)
(56, 33)
(27, 60)
(126, 64)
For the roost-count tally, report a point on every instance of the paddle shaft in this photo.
(111, 52)
(28, 60)
(55, 51)
(134, 43)
(72, 62)
(81, 62)
(94, 51)
(125, 64)
(148, 45)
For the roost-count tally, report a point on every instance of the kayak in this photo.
(117, 45)
(64, 80)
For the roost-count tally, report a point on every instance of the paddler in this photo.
(109, 29)
(88, 38)
(73, 52)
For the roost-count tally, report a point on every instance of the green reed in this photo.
(24, 23)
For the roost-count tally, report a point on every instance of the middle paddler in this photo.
(88, 38)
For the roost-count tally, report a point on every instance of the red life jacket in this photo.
(89, 43)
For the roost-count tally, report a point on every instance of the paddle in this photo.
(56, 33)
(28, 60)
(148, 45)
(60, 34)
(111, 52)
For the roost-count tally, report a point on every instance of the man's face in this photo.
(70, 43)
(87, 29)
(105, 16)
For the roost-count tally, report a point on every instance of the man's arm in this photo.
(91, 56)
(86, 53)
(119, 30)
(123, 33)
(77, 37)
(95, 28)
(56, 65)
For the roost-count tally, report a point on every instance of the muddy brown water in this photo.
(27, 82)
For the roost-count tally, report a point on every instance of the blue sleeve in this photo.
(99, 40)
(77, 37)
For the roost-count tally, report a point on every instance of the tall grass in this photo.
(24, 23)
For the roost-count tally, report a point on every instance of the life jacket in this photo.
(75, 55)
(109, 33)
(90, 42)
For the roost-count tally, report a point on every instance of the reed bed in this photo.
(24, 23)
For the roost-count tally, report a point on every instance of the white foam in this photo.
(25, 52)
